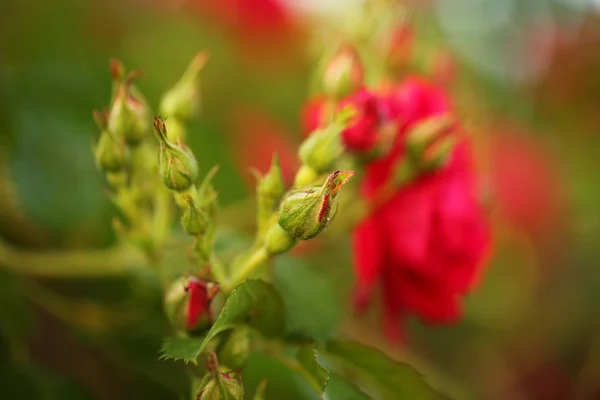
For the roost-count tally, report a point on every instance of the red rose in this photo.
(524, 181)
(427, 242)
(362, 132)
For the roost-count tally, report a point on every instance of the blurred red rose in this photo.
(426, 244)
(266, 31)
(524, 181)
(312, 115)
(361, 135)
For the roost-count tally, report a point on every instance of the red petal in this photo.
(197, 303)
(368, 258)
(431, 301)
(408, 221)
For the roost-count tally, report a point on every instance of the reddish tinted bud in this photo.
(444, 68)
(200, 295)
(344, 73)
(401, 46)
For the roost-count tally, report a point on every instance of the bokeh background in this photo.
(526, 75)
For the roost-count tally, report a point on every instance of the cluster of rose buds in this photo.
(124, 151)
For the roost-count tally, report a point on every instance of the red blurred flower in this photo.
(361, 135)
(426, 244)
(256, 138)
(265, 30)
(312, 115)
(201, 294)
(524, 182)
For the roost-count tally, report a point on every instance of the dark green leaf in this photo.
(388, 378)
(252, 302)
(311, 369)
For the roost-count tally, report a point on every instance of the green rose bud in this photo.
(426, 132)
(177, 164)
(269, 190)
(306, 176)
(194, 219)
(344, 73)
(183, 100)
(176, 299)
(324, 146)
(129, 115)
(438, 154)
(219, 385)
(278, 240)
(306, 212)
(176, 131)
(235, 350)
(110, 153)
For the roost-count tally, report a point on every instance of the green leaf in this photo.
(311, 369)
(252, 302)
(313, 310)
(178, 348)
(341, 389)
(373, 370)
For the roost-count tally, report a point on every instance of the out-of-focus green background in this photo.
(525, 74)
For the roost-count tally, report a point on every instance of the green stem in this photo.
(72, 263)
(217, 269)
(254, 260)
(163, 214)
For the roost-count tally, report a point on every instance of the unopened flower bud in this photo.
(221, 386)
(278, 240)
(236, 349)
(344, 73)
(306, 176)
(183, 99)
(426, 132)
(187, 303)
(110, 153)
(177, 164)
(306, 212)
(271, 185)
(194, 219)
(129, 117)
(324, 146)
(176, 131)
(268, 192)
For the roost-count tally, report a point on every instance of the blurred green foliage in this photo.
(83, 339)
